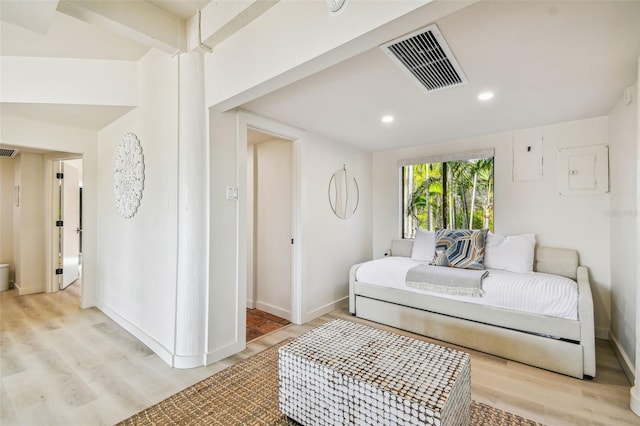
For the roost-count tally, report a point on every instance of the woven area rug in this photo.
(247, 394)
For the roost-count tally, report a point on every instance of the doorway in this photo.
(33, 245)
(269, 225)
(69, 203)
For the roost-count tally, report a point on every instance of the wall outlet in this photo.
(388, 252)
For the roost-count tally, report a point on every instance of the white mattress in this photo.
(535, 292)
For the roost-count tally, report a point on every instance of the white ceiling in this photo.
(184, 9)
(89, 117)
(547, 62)
(68, 37)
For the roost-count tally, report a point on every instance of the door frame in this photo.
(248, 120)
(51, 231)
(280, 311)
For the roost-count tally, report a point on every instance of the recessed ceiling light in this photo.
(485, 96)
(387, 119)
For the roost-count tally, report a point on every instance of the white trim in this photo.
(274, 310)
(225, 351)
(157, 347)
(188, 361)
(325, 309)
(27, 289)
(456, 156)
(625, 361)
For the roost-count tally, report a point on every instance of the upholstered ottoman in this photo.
(345, 373)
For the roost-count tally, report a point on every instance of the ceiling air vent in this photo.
(8, 152)
(424, 55)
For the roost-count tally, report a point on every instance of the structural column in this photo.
(193, 229)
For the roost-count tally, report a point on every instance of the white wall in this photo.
(622, 151)
(272, 220)
(579, 222)
(138, 256)
(330, 246)
(6, 212)
(226, 299)
(67, 81)
(30, 213)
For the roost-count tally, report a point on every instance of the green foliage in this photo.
(467, 202)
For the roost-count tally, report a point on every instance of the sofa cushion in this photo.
(424, 246)
(460, 248)
(512, 253)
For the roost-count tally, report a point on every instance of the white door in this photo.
(273, 228)
(70, 199)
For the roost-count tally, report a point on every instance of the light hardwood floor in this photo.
(62, 365)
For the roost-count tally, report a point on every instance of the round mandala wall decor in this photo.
(128, 175)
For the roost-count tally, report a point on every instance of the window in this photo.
(448, 192)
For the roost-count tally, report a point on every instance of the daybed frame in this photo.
(510, 334)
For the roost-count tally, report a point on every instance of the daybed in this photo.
(561, 345)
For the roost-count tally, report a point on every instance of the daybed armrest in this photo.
(585, 312)
(352, 290)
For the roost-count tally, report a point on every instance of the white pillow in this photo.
(424, 246)
(512, 253)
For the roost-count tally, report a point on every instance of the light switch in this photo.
(232, 192)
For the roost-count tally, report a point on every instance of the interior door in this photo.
(70, 194)
(273, 228)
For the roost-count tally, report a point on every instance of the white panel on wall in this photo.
(583, 170)
(527, 155)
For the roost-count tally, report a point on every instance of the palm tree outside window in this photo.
(455, 194)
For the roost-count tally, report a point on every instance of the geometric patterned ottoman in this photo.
(343, 373)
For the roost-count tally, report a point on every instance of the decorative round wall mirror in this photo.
(128, 175)
(344, 194)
